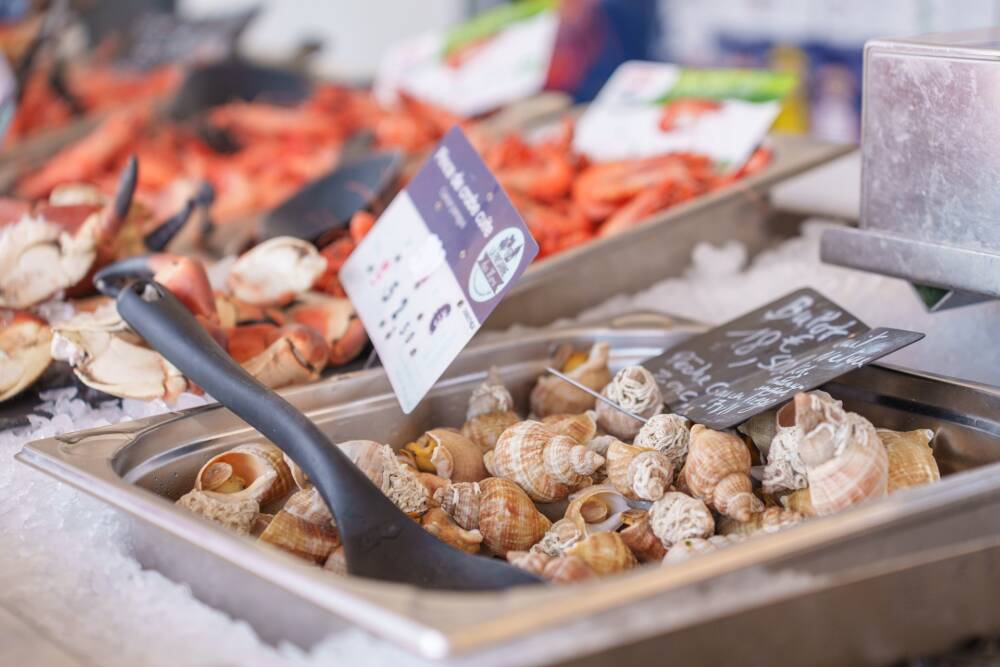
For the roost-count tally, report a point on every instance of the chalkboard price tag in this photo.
(762, 359)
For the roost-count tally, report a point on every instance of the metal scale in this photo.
(930, 189)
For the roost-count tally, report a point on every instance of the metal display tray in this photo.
(899, 577)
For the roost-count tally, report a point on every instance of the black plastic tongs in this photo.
(377, 536)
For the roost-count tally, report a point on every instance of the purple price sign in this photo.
(442, 256)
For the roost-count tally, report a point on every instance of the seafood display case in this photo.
(868, 585)
(660, 246)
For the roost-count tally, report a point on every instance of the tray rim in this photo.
(343, 598)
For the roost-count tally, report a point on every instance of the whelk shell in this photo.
(799, 501)
(634, 389)
(640, 538)
(303, 527)
(597, 509)
(397, 481)
(432, 482)
(605, 553)
(546, 465)
(337, 561)
(557, 569)
(582, 427)
(552, 396)
(437, 522)
(236, 514)
(676, 517)
(784, 470)
(499, 509)
(490, 396)
(717, 470)
(486, 429)
(911, 459)
(252, 470)
(449, 454)
(638, 472)
(686, 549)
(667, 433)
(771, 520)
(560, 536)
(845, 459)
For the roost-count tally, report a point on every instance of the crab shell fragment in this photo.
(336, 320)
(107, 356)
(24, 351)
(298, 355)
(275, 272)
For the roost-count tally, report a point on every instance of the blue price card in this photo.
(440, 259)
(8, 96)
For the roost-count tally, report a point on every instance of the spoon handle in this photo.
(362, 512)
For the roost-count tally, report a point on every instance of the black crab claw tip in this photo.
(205, 195)
(126, 187)
(110, 280)
(158, 239)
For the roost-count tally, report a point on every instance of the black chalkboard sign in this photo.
(762, 359)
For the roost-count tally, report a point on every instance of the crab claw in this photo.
(235, 313)
(162, 235)
(275, 272)
(158, 239)
(183, 276)
(335, 255)
(42, 255)
(298, 355)
(107, 356)
(247, 341)
(24, 351)
(336, 320)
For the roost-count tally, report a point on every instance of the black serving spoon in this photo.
(380, 541)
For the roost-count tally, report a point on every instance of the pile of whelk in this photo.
(580, 489)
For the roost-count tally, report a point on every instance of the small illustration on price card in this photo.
(440, 259)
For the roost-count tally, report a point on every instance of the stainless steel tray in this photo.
(565, 284)
(902, 576)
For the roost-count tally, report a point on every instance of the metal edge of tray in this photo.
(660, 247)
(48, 455)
